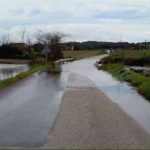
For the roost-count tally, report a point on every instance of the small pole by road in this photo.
(45, 52)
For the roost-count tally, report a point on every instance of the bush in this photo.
(40, 60)
(144, 89)
(138, 80)
(132, 57)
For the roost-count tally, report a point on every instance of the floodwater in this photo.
(29, 108)
(11, 70)
(119, 92)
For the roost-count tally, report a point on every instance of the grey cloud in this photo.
(35, 12)
(16, 11)
(94, 15)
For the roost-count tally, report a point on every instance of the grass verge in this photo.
(9, 81)
(129, 57)
(137, 80)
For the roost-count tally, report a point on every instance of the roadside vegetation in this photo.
(46, 52)
(90, 45)
(9, 81)
(81, 54)
(137, 80)
(129, 57)
(116, 62)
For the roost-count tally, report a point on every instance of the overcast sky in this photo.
(101, 20)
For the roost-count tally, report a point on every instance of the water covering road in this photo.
(28, 108)
(119, 92)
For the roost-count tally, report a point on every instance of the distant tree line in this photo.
(29, 50)
(93, 45)
(25, 48)
(7, 51)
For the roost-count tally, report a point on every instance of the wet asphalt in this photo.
(88, 119)
(28, 110)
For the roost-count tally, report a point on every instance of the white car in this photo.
(107, 51)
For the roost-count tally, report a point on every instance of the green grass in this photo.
(82, 54)
(137, 80)
(132, 54)
(129, 57)
(114, 64)
(9, 81)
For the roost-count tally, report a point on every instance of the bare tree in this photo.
(5, 38)
(53, 40)
(30, 48)
(22, 34)
(50, 38)
(29, 41)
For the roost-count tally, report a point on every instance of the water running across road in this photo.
(119, 92)
(29, 108)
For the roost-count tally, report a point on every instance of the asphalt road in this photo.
(88, 119)
(28, 110)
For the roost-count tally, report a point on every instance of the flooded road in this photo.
(10, 70)
(119, 92)
(29, 108)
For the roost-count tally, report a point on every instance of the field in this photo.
(81, 54)
(14, 61)
(132, 53)
(130, 57)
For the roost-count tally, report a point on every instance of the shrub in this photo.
(132, 57)
(40, 60)
(138, 80)
(144, 89)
